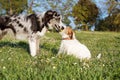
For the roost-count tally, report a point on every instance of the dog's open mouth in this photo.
(57, 28)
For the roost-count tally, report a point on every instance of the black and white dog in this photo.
(32, 26)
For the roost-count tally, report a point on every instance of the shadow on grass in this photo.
(50, 47)
(2, 76)
(25, 46)
(20, 44)
(117, 45)
(118, 38)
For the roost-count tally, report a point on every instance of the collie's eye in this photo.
(55, 14)
(57, 19)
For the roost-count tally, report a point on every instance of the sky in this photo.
(103, 8)
(100, 4)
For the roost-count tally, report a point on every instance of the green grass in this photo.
(17, 64)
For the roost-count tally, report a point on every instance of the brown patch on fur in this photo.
(69, 31)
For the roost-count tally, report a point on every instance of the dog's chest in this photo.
(71, 45)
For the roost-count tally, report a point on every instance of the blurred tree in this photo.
(85, 13)
(112, 22)
(30, 6)
(13, 6)
(113, 6)
(64, 7)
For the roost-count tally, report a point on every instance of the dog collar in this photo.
(66, 38)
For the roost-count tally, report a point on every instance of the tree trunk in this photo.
(30, 7)
(86, 28)
(10, 10)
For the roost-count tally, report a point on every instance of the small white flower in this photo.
(2, 59)
(4, 67)
(54, 67)
(9, 58)
(53, 57)
(85, 65)
(80, 68)
(103, 65)
(48, 60)
(99, 56)
(75, 63)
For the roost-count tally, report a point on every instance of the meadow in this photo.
(17, 64)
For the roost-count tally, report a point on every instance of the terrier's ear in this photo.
(70, 33)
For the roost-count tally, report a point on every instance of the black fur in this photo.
(48, 16)
(4, 21)
(33, 19)
(31, 26)
(25, 30)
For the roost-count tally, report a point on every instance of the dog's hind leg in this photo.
(2, 33)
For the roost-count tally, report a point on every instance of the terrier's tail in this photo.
(99, 56)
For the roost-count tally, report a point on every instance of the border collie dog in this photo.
(31, 26)
(71, 46)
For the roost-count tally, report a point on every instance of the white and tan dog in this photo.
(71, 46)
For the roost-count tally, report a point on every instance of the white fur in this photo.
(32, 45)
(74, 47)
(26, 29)
(42, 33)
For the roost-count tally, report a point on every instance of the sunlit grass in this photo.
(17, 64)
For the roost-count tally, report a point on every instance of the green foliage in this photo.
(85, 12)
(117, 19)
(31, 5)
(17, 64)
(65, 8)
(13, 6)
(111, 23)
(113, 6)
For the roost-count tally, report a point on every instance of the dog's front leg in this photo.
(32, 45)
(37, 44)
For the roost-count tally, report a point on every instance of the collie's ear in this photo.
(70, 32)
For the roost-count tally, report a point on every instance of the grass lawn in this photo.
(17, 64)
